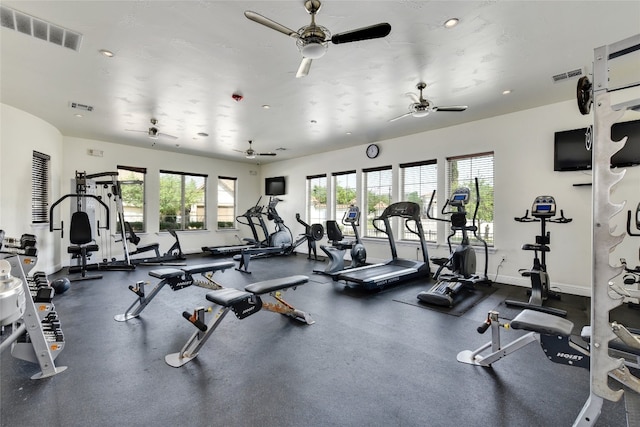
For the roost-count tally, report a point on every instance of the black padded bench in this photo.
(243, 304)
(176, 278)
(267, 286)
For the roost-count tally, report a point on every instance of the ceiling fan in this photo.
(252, 154)
(312, 40)
(153, 131)
(422, 107)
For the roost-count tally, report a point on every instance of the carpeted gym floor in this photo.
(371, 359)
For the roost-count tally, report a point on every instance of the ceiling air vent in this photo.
(79, 106)
(568, 75)
(35, 27)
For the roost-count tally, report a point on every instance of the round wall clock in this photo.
(372, 151)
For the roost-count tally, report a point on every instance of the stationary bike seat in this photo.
(535, 247)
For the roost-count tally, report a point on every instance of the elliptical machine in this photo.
(543, 210)
(462, 261)
(339, 246)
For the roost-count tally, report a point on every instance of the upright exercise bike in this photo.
(339, 245)
(462, 261)
(543, 210)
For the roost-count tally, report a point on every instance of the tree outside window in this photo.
(182, 201)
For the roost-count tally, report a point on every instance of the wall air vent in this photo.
(79, 106)
(35, 27)
(568, 75)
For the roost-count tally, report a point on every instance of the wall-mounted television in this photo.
(275, 186)
(570, 153)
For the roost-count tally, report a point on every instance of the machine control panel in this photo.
(543, 206)
(460, 197)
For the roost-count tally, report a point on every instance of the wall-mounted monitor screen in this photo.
(275, 186)
(570, 153)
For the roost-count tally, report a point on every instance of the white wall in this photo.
(76, 158)
(20, 135)
(522, 143)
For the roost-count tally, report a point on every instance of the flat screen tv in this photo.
(570, 153)
(274, 186)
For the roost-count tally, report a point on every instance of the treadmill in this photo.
(396, 269)
(246, 218)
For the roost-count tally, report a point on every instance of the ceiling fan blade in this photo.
(136, 130)
(451, 108)
(365, 33)
(415, 98)
(265, 154)
(399, 117)
(166, 135)
(256, 17)
(304, 67)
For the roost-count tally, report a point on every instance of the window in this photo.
(317, 199)
(40, 176)
(462, 172)
(378, 183)
(419, 179)
(131, 181)
(226, 202)
(345, 195)
(182, 201)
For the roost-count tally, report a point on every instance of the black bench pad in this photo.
(267, 286)
(165, 273)
(544, 323)
(78, 249)
(203, 268)
(227, 296)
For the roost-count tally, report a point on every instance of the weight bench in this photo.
(552, 332)
(243, 304)
(177, 279)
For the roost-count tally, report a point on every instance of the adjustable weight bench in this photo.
(552, 332)
(177, 279)
(243, 304)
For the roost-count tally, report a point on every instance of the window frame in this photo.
(369, 231)
(123, 184)
(182, 207)
(487, 202)
(234, 204)
(314, 216)
(429, 226)
(40, 187)
(338, 213)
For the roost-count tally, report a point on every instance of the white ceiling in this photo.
(181, 62)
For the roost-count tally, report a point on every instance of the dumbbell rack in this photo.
(39, 337)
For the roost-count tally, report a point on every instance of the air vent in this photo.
(35, 27)
(79, 106)
(568, 75)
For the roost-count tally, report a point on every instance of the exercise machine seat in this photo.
(80, 235)
(267, 286)
(543, 323)
(205, 268)
(166, 273)
(227, 297)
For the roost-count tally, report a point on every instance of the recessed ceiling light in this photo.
(506, 92)
(78, 115)
(348, 133)
(266, 107)
(203, 134)
(314, 121)
(106, 53)
(450, 23)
